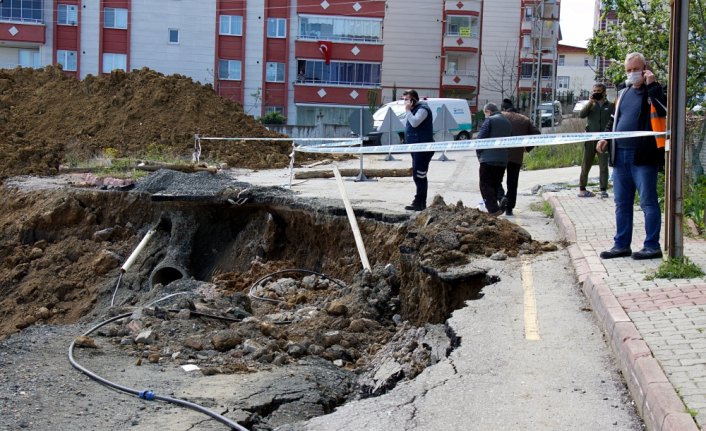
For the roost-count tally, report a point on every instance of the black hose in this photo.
(146, 394)
(277, 301)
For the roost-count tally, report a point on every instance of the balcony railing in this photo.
(465, 78)
(331, 83)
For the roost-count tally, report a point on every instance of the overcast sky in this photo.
(576, 21)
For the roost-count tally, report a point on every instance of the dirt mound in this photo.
(48, 119)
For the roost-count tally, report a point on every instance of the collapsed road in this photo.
(264, 300)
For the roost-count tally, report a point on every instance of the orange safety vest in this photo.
(659, 124)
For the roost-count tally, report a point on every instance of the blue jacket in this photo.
(422, 133)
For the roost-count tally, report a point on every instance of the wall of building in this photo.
(581, 77)
(412, 38)
(89, 20)
(500, 39)
(255, 26)
(149, 43)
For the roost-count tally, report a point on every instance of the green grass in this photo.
(677, 268)
(554, 156)
(543, 207)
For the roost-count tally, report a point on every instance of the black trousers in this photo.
(420, 168)
(512, 180)
(490, 180)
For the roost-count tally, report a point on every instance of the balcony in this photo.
(22, 35)
(460, 78)
(469, 42)
(468, 6)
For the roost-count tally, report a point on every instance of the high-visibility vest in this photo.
(659, 123)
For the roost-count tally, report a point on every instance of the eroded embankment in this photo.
(270, 280)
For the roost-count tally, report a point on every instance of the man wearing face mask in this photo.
(598, 111)
(636, 161)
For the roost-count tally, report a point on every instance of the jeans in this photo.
(420, 168)
(628, 178)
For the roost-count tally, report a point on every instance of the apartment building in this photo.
(310, 60)
(575, 71)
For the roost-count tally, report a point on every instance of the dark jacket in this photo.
(598, 115)
(647, 152)
(423, 132)
(495, 126)
(521, 126)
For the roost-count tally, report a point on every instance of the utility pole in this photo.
(537, 36)
(676, 109)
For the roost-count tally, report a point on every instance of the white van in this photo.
(457, 107)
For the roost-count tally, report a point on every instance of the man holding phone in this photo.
(598, 111)
(419, 128)
(637, 160)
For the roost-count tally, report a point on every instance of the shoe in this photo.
(647, 253)
(415, 206)
(508, 212)
(503, 203)
(604, 194)
(586, 194)
(496, 213)
(616, 252)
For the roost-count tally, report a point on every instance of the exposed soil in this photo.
(235, 279)
(48, 120)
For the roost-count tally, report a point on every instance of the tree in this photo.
(644, 26)
(502, 76)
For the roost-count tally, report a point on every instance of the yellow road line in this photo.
(531, 322)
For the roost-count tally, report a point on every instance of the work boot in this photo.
(415, 206)
(503, 203)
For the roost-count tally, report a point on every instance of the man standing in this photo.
(419, 128)
(521, 126)
(598, 111)
(493, 161)
(636, 161)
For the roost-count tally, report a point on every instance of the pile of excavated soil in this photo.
(48, 119)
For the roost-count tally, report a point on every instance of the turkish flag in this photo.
(325, 48)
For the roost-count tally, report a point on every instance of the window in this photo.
(586, 62)
(29, 58)
(67, 60)
(562, 82)
(562, 58)
(231, 25)
(458, 26)
(114, 61)
(275, 72)
(276, 27)
(340, 73)
(115, 18)
(229, 70)
(528, 13)
(526, 71)
(67, 14)
(277, 109)
(21, 10)
(173, 35)
(341, 29)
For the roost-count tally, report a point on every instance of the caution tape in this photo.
(473, 144)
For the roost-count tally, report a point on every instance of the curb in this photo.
(656, 400)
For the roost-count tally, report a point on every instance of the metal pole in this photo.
(676, 104)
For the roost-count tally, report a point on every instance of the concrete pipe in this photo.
(176, 261)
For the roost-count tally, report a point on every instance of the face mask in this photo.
(634, 78)
(597, 96)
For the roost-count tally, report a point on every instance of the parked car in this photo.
(550, 113)
(579, 106)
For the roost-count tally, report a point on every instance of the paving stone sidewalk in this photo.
(657, 328)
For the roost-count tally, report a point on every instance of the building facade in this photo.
(576, 72)
(310, 60)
